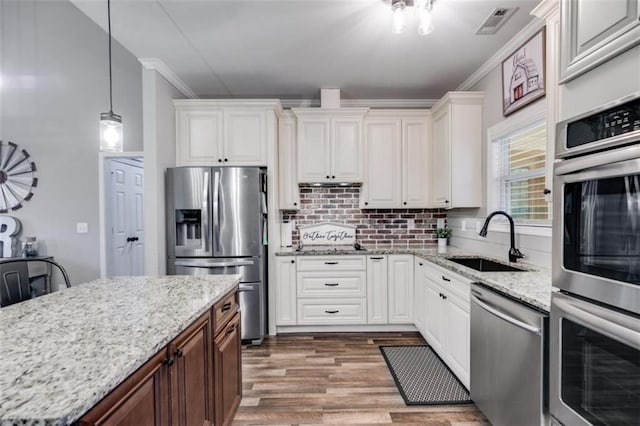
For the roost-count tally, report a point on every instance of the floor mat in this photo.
(422, 378)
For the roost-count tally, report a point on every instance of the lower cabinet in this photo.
(420, 281)
(377, 292)
(195, 380)
(401, 286)
(227, 371)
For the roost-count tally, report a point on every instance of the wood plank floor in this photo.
(333, 379)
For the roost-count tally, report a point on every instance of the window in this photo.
(517, 182)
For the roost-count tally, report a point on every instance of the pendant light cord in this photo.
(110, 78)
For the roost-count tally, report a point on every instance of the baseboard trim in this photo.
(345, 328)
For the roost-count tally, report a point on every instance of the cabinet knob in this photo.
(405, 203)
(168, 361)
(178, 353)
(420, 263)
(293, 261)
(226, 159)
(328, 177)
(546, 191)
(219, 160)
(366, 203)
(446, 201)
(333, 177)
(295, 204)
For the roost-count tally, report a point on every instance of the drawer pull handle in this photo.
(377, 258)
(332, 284)
(445, 278)
(332, 312)
(230, 330)
(226, 307)
(330, 263)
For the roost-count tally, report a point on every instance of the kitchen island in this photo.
(64, 352)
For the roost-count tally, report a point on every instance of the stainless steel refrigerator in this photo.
(216, 224)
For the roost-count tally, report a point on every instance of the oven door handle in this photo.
(606, 160)
(505, 317)
(604, 322)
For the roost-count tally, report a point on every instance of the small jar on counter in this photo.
(29, 247)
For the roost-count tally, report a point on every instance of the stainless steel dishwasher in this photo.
(508, 360)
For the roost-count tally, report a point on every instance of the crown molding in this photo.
(514, 43)
(363, 103)
(546, 8)
(164, 70)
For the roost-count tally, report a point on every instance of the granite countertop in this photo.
(533, 287)
(63, 352)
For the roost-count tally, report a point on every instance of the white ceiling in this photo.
(291, 48)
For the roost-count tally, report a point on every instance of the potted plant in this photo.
(443, 235)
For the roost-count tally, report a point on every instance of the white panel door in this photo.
(124, 219)
(419, 306)
(245, 141)
(441, 162)
(383, 182)
(434, 318)
(377, 289)
(314, 157)
(346, 150)
(415, 163)
(285, 290)
(289, 190)
(400, 286)
(458, 337)
(199, 138)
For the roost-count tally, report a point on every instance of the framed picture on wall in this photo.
(523, 74)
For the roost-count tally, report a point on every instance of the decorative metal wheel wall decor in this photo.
(16, 177)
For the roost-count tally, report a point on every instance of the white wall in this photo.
(54, 87)
(159, 153)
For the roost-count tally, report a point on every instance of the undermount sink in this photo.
(484, 265)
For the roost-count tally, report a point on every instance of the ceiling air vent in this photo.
(495, 20)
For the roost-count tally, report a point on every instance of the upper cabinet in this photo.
(289, 191)
(593, 32)
(456, 172)
(397, 150)
(329, 144)
(224, 132)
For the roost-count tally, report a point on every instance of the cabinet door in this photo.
(415, 163)
(191, 390)
(434, 317)
(377, 289)
(285, 290)
(383, 183)
(143, 398)
(314, 150)
(419, 306)
(346, 150)
(441, 164)
(289, 191)
(400, 289)
(245, 141)
(457, 337)
(594, 32)
(199, 138)
(227, 372)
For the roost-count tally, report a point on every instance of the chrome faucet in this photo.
(514, 253)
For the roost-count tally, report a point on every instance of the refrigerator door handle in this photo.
(205, 212)
(216, 212)
(244, 287)
(205, 264)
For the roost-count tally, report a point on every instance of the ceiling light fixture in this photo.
(110, 123)
(423, 10)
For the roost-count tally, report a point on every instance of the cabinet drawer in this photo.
(332, 263)
(224, 310)
(451, 281)
(322, 284)
(328, 311)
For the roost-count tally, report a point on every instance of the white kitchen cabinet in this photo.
(329, 144)
(285, 290)
(400, 288)
(419, 306)
(447, 319)
(593, 32)
(287, 161)
(211, 132)
(332, 284)
(397, 152)
(332, 311)
(377, 289)
(456, 175)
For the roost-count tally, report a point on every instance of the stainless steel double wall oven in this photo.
(595, 318)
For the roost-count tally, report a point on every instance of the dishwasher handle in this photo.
(505, 317)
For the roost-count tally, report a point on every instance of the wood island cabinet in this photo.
(195, 380)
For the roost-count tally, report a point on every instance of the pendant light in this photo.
(110, 123)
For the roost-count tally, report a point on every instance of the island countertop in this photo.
(62, 353)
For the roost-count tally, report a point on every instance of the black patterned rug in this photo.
(422, 378)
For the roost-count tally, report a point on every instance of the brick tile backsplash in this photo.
(375, 227)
